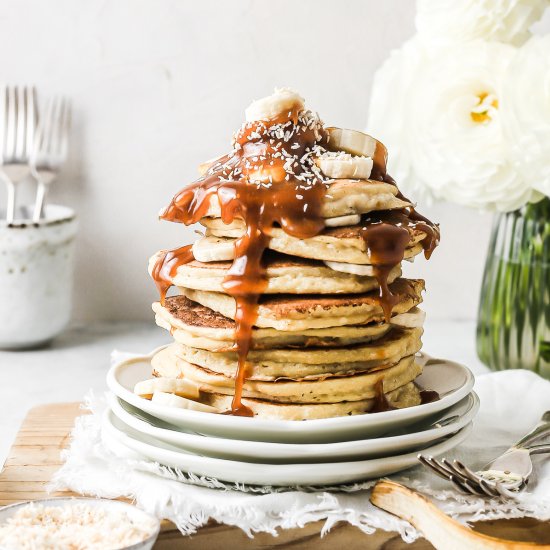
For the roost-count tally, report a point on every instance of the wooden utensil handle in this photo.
(442, 531)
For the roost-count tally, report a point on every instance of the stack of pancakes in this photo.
(322, 345)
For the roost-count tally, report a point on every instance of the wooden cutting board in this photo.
(35, 456)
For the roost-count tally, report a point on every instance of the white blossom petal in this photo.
(440, 116)
(447, 21)
(526, 111)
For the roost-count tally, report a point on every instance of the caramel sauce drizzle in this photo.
(428, 396)
(270, 180)
(381, 403)
(166, 267)
(387, 234)
(266, 181)
(379, 163)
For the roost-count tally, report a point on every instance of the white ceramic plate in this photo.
(125, 441)
(451, 380)
(416, 436)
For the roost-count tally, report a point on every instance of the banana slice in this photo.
(342, 221)
(178, 386)
(354, 269)
(358, 143)
(282, 100)
(213, 249)
(362, 270)
(171, 400)
(344, 166)
(412, 319)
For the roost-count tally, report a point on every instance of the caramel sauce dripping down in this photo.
(166, 267)
(428, 396)
(255, 183)
(386, 244)
(387, 235)
(379, 162)
(381, 403)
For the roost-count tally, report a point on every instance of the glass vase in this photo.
(513, 330)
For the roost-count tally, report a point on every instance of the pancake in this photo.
(285, 275)
(335, 244)
(396, 341)
(343, 197)
(299, 364)
(195, 325)
(289, 313)
(276, 371)
(329, 390)
(405, 396)
(399, 342)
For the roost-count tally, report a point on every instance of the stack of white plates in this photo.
(282, 452)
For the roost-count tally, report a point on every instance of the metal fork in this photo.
(16, 138)
(502, 477)
(50, 148)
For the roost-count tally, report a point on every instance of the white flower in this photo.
(526, 111)
(444, 125)
(445, 21)
(458, 148)
(390, 105)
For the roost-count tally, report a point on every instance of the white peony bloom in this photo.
(526, 111)
(443, 124)
(459, 148)
(446, 21)
(389, 107)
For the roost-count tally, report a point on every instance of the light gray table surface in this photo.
(78, 360)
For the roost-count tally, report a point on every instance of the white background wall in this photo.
(158, 86)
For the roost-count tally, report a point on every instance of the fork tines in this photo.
(469, 482)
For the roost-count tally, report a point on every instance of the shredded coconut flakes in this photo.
(76, 527)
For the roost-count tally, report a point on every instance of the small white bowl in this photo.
(133, 512)
(36, 278)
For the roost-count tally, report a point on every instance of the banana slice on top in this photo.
(341, 165)
(178, 386)
(281, 101)
(171, 400)
(359, 144)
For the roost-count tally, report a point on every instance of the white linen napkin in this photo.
(511, 403)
